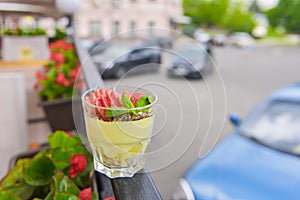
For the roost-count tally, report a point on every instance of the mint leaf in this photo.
(126, 101)
(144, 101)
(115, 111)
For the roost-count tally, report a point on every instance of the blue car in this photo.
(259, 161)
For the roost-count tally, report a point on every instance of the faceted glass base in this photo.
(117, 172)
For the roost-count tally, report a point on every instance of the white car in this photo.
(202, 36)
(242, 40)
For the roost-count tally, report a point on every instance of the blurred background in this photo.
(217, 56)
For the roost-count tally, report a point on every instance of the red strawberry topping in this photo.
(107, 98)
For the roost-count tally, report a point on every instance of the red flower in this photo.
(60, 78)
(78, 164)
(46, 68)
(57, 57)
(66, 83)
(85, 194)
(61, 44)
(40, 76)
(73, 172)
(74, 72)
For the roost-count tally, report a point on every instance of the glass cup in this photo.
(119, 136)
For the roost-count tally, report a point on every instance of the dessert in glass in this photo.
(119, 124)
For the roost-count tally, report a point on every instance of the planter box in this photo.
(17, 48)
(59, 114)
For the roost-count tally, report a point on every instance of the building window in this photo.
(95, 27)
(116, 27)
(151, 25)
(132, 28)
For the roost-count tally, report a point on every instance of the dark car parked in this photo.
(119, 59)
(191, 61)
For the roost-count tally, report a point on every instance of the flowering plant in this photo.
(63, 171)
(57, 77)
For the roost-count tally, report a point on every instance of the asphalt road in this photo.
(191, 116)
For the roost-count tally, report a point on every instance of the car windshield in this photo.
(277, 126)
(193, 55)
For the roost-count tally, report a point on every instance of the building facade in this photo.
(106, 18)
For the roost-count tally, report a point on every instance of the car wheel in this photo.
(194, 75)
(120, 72)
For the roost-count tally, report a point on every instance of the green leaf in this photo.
(14, 183)
(50, 195)
(60, 157)
(12, 178)
(94, 196)
(52, 73)
(144, 101)
(41, 191)
(23, 161)
(63, 184)
(65, 196)
(115, 111)
(39, 171)
(62, 140)
(126, 101)
(7, 196)
(59, 34)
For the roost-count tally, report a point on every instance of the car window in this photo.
(278, 126)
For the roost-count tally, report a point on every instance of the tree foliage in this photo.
(238, 18)
(234, 16)
(205, 12)
(286, 14)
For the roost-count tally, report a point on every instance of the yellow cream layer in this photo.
(115, 138)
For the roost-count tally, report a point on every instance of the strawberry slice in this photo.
(108, 98)
(135, 97)
(113, 98)
(101, 111)
(99, 92)
(103, 101)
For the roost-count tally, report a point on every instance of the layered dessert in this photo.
(119, 127)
